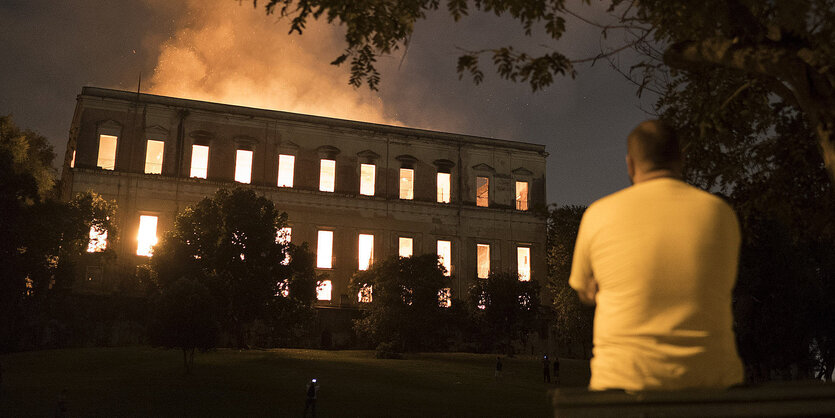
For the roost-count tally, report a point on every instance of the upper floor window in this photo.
(521, 195)
(286, 165)
(482, 186)
(327, 175)
(153, 156)
(147, 236)
(98, 240)
(367, 177)
(404, 246)
(199, 161)
(407, 183)
(483, 256)
(324, 289)
(523, 263)
(107, 152)
(445, 256)
(366, 251)
(444, 187)
(324, 250)
(243, 166)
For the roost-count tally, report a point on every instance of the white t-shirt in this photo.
(664, 255)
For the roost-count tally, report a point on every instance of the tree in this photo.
(403, 307)
(228, 243)
(185, 317)
(505, 307)
(783, 48)
(573, 319)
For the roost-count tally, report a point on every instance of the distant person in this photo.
(659, 259)
(498, 373)
(310, 400)
(556, 370)
(546, 369)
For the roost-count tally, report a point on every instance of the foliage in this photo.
(404, 309)
(228, 243)
(186, 318)
(505, 308)
(573, 320)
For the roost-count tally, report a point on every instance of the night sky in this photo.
(225, 51)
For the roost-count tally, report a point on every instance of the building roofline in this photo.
(297, 117)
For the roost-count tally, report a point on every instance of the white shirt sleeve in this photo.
(582, 276)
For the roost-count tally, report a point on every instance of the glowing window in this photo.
(445, 255)
(147, 236)
(324, 250)
(199, 161)
(366, 251)
(107, 152)
(523, 261)
(283, 288)
(327, 175)
(483, 260)
(283, 237)
(367, 177)
(404, 246)
(445, 297)
(153, 156)
(324, 290)
(407, 183)
(521, 195)
(443, 187)
(243, 166)
(72, 162)
(365, 294)
(286, 165)
(482, 197)
(98, 240)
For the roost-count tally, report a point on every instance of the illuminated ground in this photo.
(150, 382)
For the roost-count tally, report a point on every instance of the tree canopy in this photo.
(505, 308)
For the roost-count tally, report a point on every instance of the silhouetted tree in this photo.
(404, 308)
(573, 320)
(185, 317)
(504, 307)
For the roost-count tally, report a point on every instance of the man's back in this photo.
(664, 256)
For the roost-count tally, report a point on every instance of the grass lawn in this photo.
(142, 381)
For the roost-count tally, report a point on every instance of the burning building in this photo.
(356, 192)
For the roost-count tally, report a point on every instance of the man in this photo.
(310, 399)
(659, 259)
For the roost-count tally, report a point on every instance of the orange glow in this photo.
(483, 251)
(404, 245)
(72, 162)
(199, 161)
(324, 250)
(366, 251)
(367, 174)
(284, 235)
(482, 185)
(521, 195)
(98, 240)
(327, 175)
(147, 236)
(523, 262)
(443, 187)
(324, 290)
(286, 165)
(445, 297)
(445, 255)
(243, 166)
(153, 156)
(407, 183)
(107, 152)
(365, 294)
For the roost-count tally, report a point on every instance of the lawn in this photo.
(142, 381)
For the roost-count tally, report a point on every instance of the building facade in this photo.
(356, 192)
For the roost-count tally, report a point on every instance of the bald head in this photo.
(652, 147)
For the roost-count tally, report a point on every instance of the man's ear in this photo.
(630, 168)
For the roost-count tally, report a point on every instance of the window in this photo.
(482, 186)
(366, 251)
(283, 288)
(483, 260)
(199, 161)
(327, 175)
(407, 183)
(523, 261)
(365, 294)
(521, 195)
(243, 166)
(443, 187)
(98, 240)
(324, 250)
(147, 236)
(367, 177)
(324, 290)
(445, 297)
(285, 170)
(445, 255)
(153, 156)
(283, 236)
(107, 152)
(404, 246)
(72, 162)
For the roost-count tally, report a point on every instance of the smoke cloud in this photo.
(223, 51)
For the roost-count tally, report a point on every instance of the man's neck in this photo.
(641, 177)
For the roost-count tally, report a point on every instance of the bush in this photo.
(387, 351)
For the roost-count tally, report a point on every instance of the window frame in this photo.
(486, 202)
(191, 173)
(319, 256)
(292, 169)
(333, 176)
(162, 155)
(373, 184)
(239, 177)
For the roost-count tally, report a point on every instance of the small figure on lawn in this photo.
(546, 368)
(557, 370)
(498, 373)
(310, 401)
